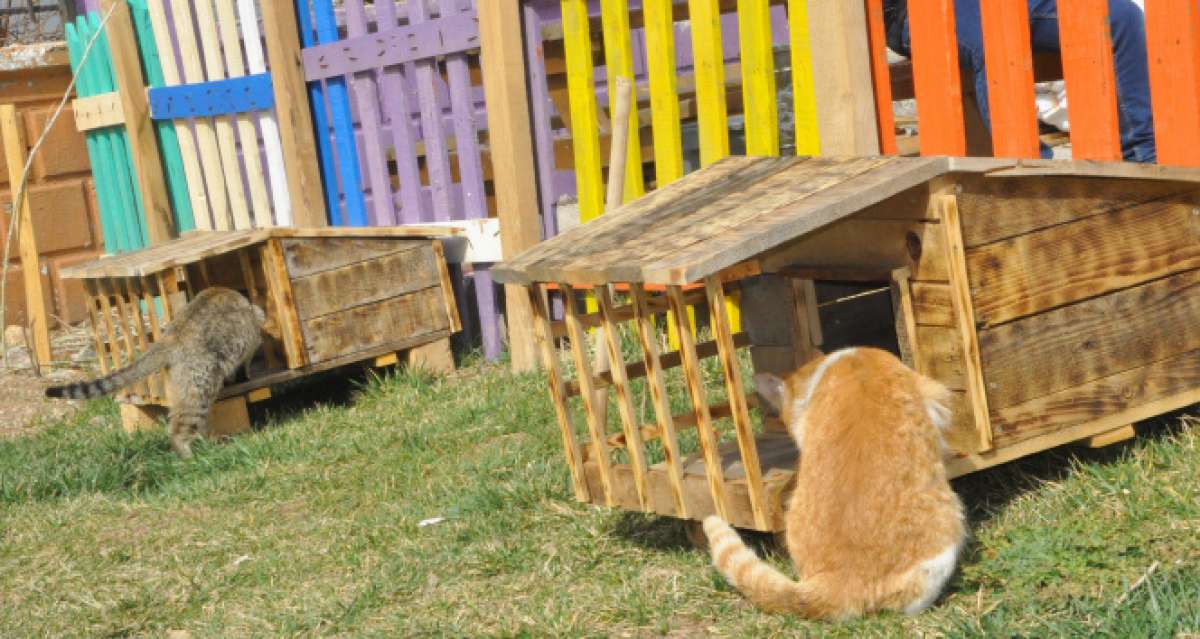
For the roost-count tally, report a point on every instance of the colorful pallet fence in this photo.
(223, 122)
(403, 74)
(98, 112)
(685, 59)
(1173, 54)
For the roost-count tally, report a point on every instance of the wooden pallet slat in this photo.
(758, 78)
(708, 59)
(706, 434)
(1010, 79)
(597, 426)
(235, 67)
(664, 98)
(624, 398)
(737, 399)
(1173, 53)
(585, 124)
(366, 96)
(545, 345)
(648, 337)
(1087, 61)
(807, 130)
(936, 78)
(618, 61)
(881, 78)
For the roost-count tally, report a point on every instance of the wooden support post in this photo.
(228, 417)
(505, 90)
(596, 417)
(280, 287)
(138, 417)
(705, 433)
(1173, 51)
(842, 77)
(648, 336)
(558, 397)
(778, 320)
(1114, 436)
(291, 110)
(143, 145)
(435, 357)
(964, 320)
(35, 298)
(737, 399)
(633, 432)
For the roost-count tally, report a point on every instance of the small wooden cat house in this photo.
(332, 296)
(1059, 300)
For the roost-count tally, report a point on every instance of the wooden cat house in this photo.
(332, 296)
(1060, 301)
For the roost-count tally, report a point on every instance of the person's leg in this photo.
(1133, 81)
(1129, 63)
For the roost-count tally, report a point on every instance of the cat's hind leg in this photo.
(188, 418)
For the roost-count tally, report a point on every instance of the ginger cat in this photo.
(873, 523)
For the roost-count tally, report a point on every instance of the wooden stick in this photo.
(633, 434)
(744, 429)
(596, 420)
(128, 298)
(695, 382)
(614, 197)
(248, 20)
(114, 348)
(31, 272)
(545, 345)
(648, 335)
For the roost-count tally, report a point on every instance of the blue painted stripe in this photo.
(343, 126)
(316, 101)
(206, 99)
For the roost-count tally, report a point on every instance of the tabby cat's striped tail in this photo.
(760, 582)
(146, 364)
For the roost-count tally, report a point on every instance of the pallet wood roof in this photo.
(740, 207)
(195, 246)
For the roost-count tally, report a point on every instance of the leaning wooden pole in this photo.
(35, 298)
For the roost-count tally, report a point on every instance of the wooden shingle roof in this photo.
(740, 207)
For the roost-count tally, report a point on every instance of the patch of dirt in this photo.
(23, 405)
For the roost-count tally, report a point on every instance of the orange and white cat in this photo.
(873, 523)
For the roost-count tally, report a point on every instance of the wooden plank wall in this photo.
(1085, 297)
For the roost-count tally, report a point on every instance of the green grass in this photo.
(310, 527)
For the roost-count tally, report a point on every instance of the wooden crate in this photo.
(1058, 300)
(332, 297)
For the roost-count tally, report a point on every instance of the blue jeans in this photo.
(1129, 60)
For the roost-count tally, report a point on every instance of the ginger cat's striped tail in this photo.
(760, 582)
(154, 358)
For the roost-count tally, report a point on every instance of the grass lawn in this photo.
(311, 527)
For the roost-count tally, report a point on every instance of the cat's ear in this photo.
(771, 388)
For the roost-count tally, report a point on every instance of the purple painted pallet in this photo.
(414, 107)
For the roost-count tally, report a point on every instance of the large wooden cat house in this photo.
(1059, 300)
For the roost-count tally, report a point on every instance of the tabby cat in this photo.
(214, 334)
(873, 523)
